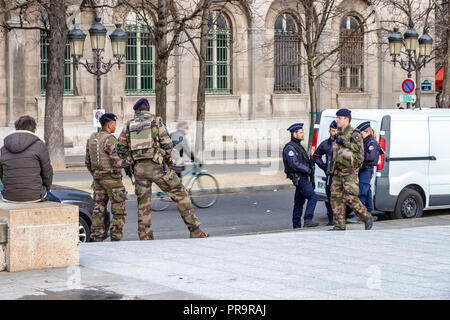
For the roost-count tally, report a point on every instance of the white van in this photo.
(414, 173)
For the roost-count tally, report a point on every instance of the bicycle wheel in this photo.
(204, 190)
(160, 201)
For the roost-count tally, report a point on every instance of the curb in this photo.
(207, 162)
(240, 189)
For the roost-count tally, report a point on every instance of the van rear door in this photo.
(439, 168)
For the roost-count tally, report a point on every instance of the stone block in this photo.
(40, 235)
(2, 256)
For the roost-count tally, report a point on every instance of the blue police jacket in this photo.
(295, 158)
(372, 151)
(325, 148)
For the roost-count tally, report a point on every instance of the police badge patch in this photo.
(291, 153)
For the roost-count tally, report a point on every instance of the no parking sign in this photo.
(97, 114)
(408, 86)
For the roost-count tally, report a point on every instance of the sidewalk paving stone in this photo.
(356, 264)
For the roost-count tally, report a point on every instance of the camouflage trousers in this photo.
(146, 172)
(108, 188)
(345, 190)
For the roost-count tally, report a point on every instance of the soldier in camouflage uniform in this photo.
(348, 156)
(146, 143)
(105, 165)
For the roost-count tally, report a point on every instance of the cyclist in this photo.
(181, 148)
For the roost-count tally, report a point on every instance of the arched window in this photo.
(287, 54)
(140, 56)
(68, 67)
(218, 55)
(351, 55)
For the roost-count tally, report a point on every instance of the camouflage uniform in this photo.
(105, 166)
(146, 142)
(347, 159)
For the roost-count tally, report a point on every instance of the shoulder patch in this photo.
(291, 153)
(371, 148)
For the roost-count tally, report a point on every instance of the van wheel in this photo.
(409, 205)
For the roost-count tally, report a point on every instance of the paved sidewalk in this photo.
(411, 263)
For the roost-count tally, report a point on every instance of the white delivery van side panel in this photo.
(439, 169)
(409, 153)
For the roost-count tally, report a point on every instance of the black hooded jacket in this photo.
(25, 168)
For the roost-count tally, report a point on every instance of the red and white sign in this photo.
(97, 114)
(408, 86)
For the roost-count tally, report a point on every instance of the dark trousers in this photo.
(365, 193)
(51, 197)
(328, 192)
(303, 191)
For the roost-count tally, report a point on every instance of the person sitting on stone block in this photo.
(25, 168)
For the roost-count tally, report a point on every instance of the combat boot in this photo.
(198, 233)
(337, 229)
(368, 223)
(310, 224)
(330, 222)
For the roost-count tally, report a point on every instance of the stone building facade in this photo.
(256, 73)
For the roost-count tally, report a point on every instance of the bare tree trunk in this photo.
(53, 124)
(418, 91)
(201, 92)
(313, 101)
(445, 96)
(161, 87)
(162, 59)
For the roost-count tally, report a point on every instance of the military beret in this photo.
(364, 126)
(343, 113)
(108, 117)
(333, 125)
(139, 102)
(295, 127)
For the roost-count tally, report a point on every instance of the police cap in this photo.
(139, 102)
(343, 113)
(364, 126)
(333, 125)
(295, 127)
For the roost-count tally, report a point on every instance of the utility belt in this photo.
(295, 177)
(367, 166)
(101, 173)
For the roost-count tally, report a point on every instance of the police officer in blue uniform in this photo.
(298, 168)
(326, 148)
(372, 151)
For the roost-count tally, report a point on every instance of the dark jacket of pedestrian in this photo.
(25, 167)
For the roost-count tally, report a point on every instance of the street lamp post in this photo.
(97, 34)
(410, 40)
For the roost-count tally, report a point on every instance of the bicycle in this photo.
(202, 187)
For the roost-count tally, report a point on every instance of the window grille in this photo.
(218, 56)
(68, 67)
(287, 55)
(140, 59)
(351, 55)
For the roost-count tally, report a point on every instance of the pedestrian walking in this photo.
(104, 163)
(147, 144)
(299, 168)
(326, 148)
(348, 156)
(372, 151)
